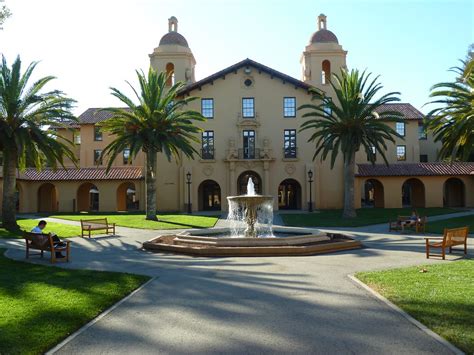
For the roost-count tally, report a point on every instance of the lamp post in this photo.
(310, 181)
(188, 182)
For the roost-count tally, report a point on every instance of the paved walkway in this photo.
(248, 305)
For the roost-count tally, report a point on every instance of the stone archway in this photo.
(47, 198)
(127, 197)
(88, 197)
(209, 193)
(289, 195)
(413, 193)
(454, 193)
(243, 180)
(373, 194)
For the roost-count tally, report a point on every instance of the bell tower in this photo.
(174, 56)
(322, 56)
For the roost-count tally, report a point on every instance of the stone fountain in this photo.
(251, 215)
(251, 233)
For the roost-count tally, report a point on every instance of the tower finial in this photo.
(172, 24)
(322, 22)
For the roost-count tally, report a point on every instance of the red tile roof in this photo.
(409, 112)
(75, 174)
(94, 115)
(416, 169)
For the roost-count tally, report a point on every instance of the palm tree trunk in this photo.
(349, 182)
(150, 182)
(9, 189)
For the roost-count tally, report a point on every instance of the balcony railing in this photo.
(207, 154)
(249, 153)
(290, 153)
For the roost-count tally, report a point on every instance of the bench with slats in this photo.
(44, 242)
(97, 224)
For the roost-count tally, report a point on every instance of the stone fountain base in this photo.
(211, 242)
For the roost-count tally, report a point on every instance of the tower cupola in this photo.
(173, 55)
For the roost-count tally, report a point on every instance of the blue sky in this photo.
(92, 45)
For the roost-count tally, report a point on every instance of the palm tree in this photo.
(453, 123)
(159, 123)
(27, 136)
(352, 121)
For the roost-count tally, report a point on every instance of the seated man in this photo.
(57, 242)
(411, 221)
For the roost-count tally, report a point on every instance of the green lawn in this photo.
(62, 230)
(166, 221)
(41, 305)
(365, 216)
(442, 298)
(438, 226)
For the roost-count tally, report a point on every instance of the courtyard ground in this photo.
(250, 305)
(40, 305)
(441, 297)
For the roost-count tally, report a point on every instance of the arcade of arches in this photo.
(423, 191)
(88, 197)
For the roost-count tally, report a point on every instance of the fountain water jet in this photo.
(250, 215)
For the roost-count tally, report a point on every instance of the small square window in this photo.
(372, 155)
(423, 158)
(401, 153)
(98, 156)
(97, 134)
(76, 137)
(421, 131)
(248, 107)
(207, 108)
(289, 107)
(400, 128)
(126, 156)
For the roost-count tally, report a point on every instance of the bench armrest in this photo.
(433, 238)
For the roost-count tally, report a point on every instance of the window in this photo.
(400, 128)
(207, 145)
(207, 108)
(97, 133)
(372, 155)
(249, 144)
(326, 72)
(289, 143)
(401, 153)
(170, 79)
(76, 137)
(421, 131)
(1, 158)
(248, 107)
(126, 156)
(98, 156)
(423, 158)
(289, 107)
(327, 107)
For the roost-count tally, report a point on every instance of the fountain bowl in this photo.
(216, 242)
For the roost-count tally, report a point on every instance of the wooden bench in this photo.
(419, 225)
(450, 238)
(88, 225)
(44, 242)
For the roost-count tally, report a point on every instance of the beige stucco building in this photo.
(252, 130)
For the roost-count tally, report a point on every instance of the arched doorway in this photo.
(88, 197)
(209, 196)
(243, 179)
(289, 195)
(413, 193)
(373, 194)
(453, 193)
(127, 197)
(47, 198)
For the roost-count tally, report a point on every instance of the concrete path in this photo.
(248, 305)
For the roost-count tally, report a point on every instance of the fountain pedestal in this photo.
(249, 209)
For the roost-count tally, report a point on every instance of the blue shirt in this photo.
(37, 230)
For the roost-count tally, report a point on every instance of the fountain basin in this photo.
(210, 242)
